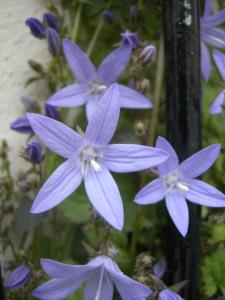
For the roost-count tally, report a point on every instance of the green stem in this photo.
(54, 233)
(156, 94)
(76, 23)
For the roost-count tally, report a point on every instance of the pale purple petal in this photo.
(205, 62)
(58, 289)
(217, 106)
(102, 125)
(129, 288)
(200, 162)
(204, 194)
(178, 210)
(63, 182)
(172, 162)
(18, 277)
(129, 98)
(55, 135)
(169, 295)
(91, 107)
(105, 197)
(214, 37)
(22, 125)
(72, 95)
(106, 290)
(219, 59)
(151, 193)
(159, 268)
(123, 158)
(78, 62)
(215, 19)
(114, 64)
(60, 270)
(208, 8)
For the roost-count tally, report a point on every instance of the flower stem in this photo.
(76, 23)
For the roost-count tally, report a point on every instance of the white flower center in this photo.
(88, 157)
(173, 181)
(96, 88)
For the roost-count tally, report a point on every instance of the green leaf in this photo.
(218, 233)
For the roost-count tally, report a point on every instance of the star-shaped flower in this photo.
(101, 275)
(89, 157)
(93, 83)
(177, 182)
(210, 35)
(218, 106)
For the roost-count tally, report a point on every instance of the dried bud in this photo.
(144, 85)
(134, 13)
(148, 54)
(29, 104)
(36, 27)
(34, 152)
(54, 43)
(22, 125)
(35, 66)
(52, 112)
(140, 127)
(50, 20)
(107, 16)
(130, 38)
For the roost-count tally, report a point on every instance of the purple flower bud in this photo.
(54, 44)
(51, 21)
(36, 27)
(148, 54)
(18, 277)
(22, 125)
(130, 38)
(160, 268)
(34, 152)
(52, 112)
(107, 16)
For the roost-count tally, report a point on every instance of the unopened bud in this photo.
(54, 43)
(148, 54)
(36, 27)
(51, 21)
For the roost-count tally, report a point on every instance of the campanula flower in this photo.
(130, 38)
(210, 35)
(100, 275)
(36, 27)
(22, 125)
(51, 21)
(93, 83)
(18, 277)
(89, 157)
(177, 182)
(54, 43)
(218, 106)
(169, 295)
(34, 152)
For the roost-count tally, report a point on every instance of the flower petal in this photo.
(123, 158)
(169, 295)
(159, 268)
(22, 125)
(129, 288)
(178, 210)
(129, 98)
(172, 162)
(102, 125)
(72, 95)
(200, 162)
(105, 197)
(215, 19)
(78, 62)
(60, 270)
(216, 107)
(58, 289)
(204, 194)
(91, 106)
(55, 135)
(59, 186)
(18, 277)
(151, 193)
(106, 290)
(208, 7)
(219, 59)
(205, 62)
(214, 37)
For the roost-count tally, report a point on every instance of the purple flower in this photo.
(36, 27)
(93, 83)
(159, 268)
(176, 183)
(18, 277)
(130, 38)
(169, 295)
(210, 35)
(54, 44)
(218, 105)
(101, 274)
(90, 158)
(107, 16)
(51, 21)
(34, 152)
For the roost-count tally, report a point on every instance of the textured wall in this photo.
(17, 45)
